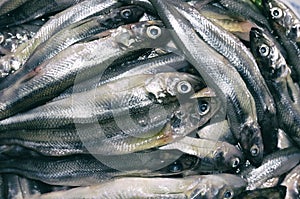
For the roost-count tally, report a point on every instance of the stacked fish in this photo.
(149, 99)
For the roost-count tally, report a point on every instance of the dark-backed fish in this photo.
(280, 13)
(273, 165)
(73, 34)
(61, 20)
(223, 155)
(278, 77)
(229, 86)
(275, 15)
(77, 63)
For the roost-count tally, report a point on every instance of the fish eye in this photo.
(153, 32)
(235, 162)
(276, 12)
(184, 87)
(126, 13)
(264, 50)
(175, 167)
(228, 194)
(204, 108)
(254, 150)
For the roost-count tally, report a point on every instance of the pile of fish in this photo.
(149, 99)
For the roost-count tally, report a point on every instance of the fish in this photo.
(130, 187)
(273, 165)
(284, 16)
(115, 138)
(223, 155)
(292, 183)
(272, 192)
(291, 47)
(212, 67)
(74, 34)
(241, 58)
(16, 60)
(77, 63)
(84, 170)
(277, 74)
(118, 98)
(169, 62)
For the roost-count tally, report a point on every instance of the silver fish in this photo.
(77, 63)
(273, 165)
(277, 74)
(225, 156)
(205, 186)
(230, 87)
(73, 14)
(281, 14)
(118, 98)
(73, 34)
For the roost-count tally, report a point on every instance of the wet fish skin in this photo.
(9, 5)
(284, 141)
(211, 66)
(59, 21)
(188, 187)
(243, 8)
(217, 131)
(11, 38)
(241, 58)
(272, 192)
(170, 62)
(120, 97)
(273, 165)
(34, 9)
(77, 63)
(84, 170)
(291, 47)
(112, 138)
(281, 14)
(73, 34)
(237, 25)
(223, 155)
(292, 183)
(277, 74)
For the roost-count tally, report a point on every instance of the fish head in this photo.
(173, 85)
(230, 157)
(252, 143)
(145, 33)
(270, 60)
(194, 114)
(276, 11)
(223, 186)
(129, 14)
(284, 17)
